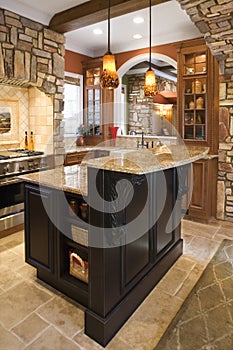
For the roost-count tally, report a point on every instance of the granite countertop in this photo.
(74, 178)
(143, 161)
(71, 178)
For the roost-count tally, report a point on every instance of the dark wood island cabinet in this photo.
(126, 240)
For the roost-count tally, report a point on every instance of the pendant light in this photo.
(150, 88)
(109, 78)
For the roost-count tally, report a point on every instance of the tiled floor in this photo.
(34, 316)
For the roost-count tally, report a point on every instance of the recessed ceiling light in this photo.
(97, 31)
(138, 20)
(137, 36)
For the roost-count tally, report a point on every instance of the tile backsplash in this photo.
(32, 110)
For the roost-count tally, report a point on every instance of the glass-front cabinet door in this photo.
(93, 111)
(194, 96)
(98, 103)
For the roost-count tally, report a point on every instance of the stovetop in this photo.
(16, 153)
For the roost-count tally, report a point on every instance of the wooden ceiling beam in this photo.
(95, 11)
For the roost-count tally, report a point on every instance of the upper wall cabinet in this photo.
(98, 103)
(198, 95)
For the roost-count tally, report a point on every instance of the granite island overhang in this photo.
(109, 257)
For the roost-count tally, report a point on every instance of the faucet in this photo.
(143, 143)
(159, 143)
(156, 142)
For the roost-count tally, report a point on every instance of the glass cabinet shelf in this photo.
(195, 63)
(194, 96)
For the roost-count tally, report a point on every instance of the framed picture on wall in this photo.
(9, 121)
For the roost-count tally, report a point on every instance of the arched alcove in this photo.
(119, 106)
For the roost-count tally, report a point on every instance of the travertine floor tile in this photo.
(44, 319)
(138, 334)
(118, 344)
(29, 328)
(11, 259)
(19, 301)
(51, 339)
(9, 341)
(16, 238)
(86, 343)
(156, 310)
(173, 280)
(27, 272)
(184, 263)
(224, 232)
(190, 282)
(9, 278)
(195, 228)
(64, 315)
(201, 248)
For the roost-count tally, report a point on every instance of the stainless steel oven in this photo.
(12, 164)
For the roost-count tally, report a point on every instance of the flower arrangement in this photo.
(82, 130)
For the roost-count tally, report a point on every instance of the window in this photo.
(73, 103)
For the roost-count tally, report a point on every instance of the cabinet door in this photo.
(203, 202)
(39, 231)
(93, 100)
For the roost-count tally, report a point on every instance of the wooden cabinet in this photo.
(74, 157)
(128, 239)
(198, 109)
(39, 231)
(52, 232)
(98, 103)
(203, 201)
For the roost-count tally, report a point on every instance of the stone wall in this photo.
(33, 55)
(225, 165)
(214, 20)
(140, 111)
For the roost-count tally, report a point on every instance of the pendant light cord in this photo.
(150, 37)
(109, 52)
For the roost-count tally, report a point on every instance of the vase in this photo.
(191, 105)
(113, 131)
(200, 103)
(80, 141)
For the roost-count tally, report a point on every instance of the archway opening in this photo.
(139, 62)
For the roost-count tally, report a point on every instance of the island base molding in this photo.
(102, 330)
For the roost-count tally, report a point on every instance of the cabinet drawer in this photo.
(74, 158)
(79, 235)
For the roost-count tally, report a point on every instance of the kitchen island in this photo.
(106, 231)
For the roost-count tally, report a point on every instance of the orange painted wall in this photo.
(73, 60)
(168, 50)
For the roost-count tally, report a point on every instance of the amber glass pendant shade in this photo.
(109, 78)
(150, 88)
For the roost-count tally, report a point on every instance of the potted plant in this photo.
(81, 132)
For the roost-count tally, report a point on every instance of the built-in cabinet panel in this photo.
(39, 230)
(198, 115)
(49, 238)
(203, 201)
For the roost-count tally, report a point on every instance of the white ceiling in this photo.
(169, 24)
